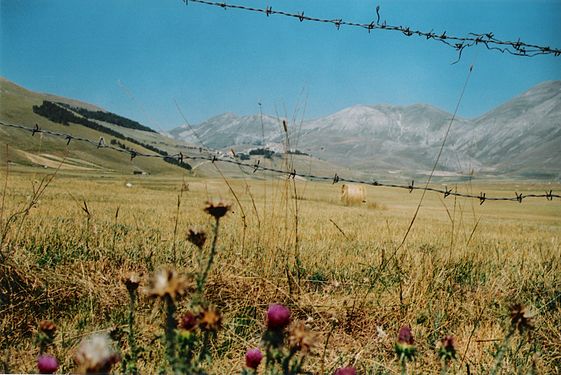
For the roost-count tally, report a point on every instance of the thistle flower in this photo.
(96, 355)
(131, 281)
(196, 238)
(210, 320)
(300, 338)
(47, 364)
(253, 358)
(405, 345)
(345, 371)
(447, 349)
(278, 317)
(520, 318)
(167, 283)
(217, 209)
(188, 321)
(47, 327)
(45, 336)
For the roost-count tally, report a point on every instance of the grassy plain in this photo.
(461, 268)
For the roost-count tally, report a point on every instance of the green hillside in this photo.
(43, 151)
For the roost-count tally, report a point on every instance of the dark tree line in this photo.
(109, 117)
(61, 115)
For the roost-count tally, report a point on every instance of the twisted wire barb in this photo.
(516, 48)
(180, 157)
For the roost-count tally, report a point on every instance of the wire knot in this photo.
(482, 198)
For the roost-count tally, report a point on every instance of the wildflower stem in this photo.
(202, 279)
(403, 363)
(170, 331)
(204, 346)
(501, 352)
(132, 368)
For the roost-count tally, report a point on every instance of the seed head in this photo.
(167, 283)
(345, 371)
(196, 238)
(48, 328)
(521, 318)
(210, 320)
(217, 209)
(188, 321)
(96, 355)
(253, 358)
(47, 364)
(278, 317)
(131, 281)
(300, 338)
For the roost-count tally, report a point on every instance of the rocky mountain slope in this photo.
(522, 137)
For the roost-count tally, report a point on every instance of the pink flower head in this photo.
(345, 371)
(278, 316)
(253, 358)
(405, 335)
(47, 364)
(405, 345)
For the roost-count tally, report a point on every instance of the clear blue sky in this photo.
(212, 60)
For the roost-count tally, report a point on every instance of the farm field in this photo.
(340, 270)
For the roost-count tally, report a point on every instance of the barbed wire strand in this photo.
(516, 48)
(180, 157)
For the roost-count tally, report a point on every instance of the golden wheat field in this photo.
(70, 241)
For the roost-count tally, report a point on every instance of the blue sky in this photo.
(136, 57)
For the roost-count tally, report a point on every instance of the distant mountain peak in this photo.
(382, 137)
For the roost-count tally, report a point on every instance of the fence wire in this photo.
(256, 167)
(516, 48)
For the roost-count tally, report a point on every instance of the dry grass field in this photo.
(66, 249)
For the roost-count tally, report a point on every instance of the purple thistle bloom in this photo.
(405, 345)
(253, 358)
(345, 371)
(278, 317)
(47, 364)
(405, 336)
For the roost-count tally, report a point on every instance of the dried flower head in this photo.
(197, 238)
(167, 283)
(45, 336)
(253, 358)
(131, 281)
(217, 209)
(447, 349)
(47, 364)
(96, 355)
(521, 318)
(188, 321)
(405, 345)
(345, 371)
(278, 317)
(300, 338)
(48, 328)
(210, 320)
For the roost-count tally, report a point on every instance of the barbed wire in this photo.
(181, 158)
(516, 48)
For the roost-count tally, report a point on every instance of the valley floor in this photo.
(68, 242)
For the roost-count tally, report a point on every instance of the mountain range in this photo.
(521, 137)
